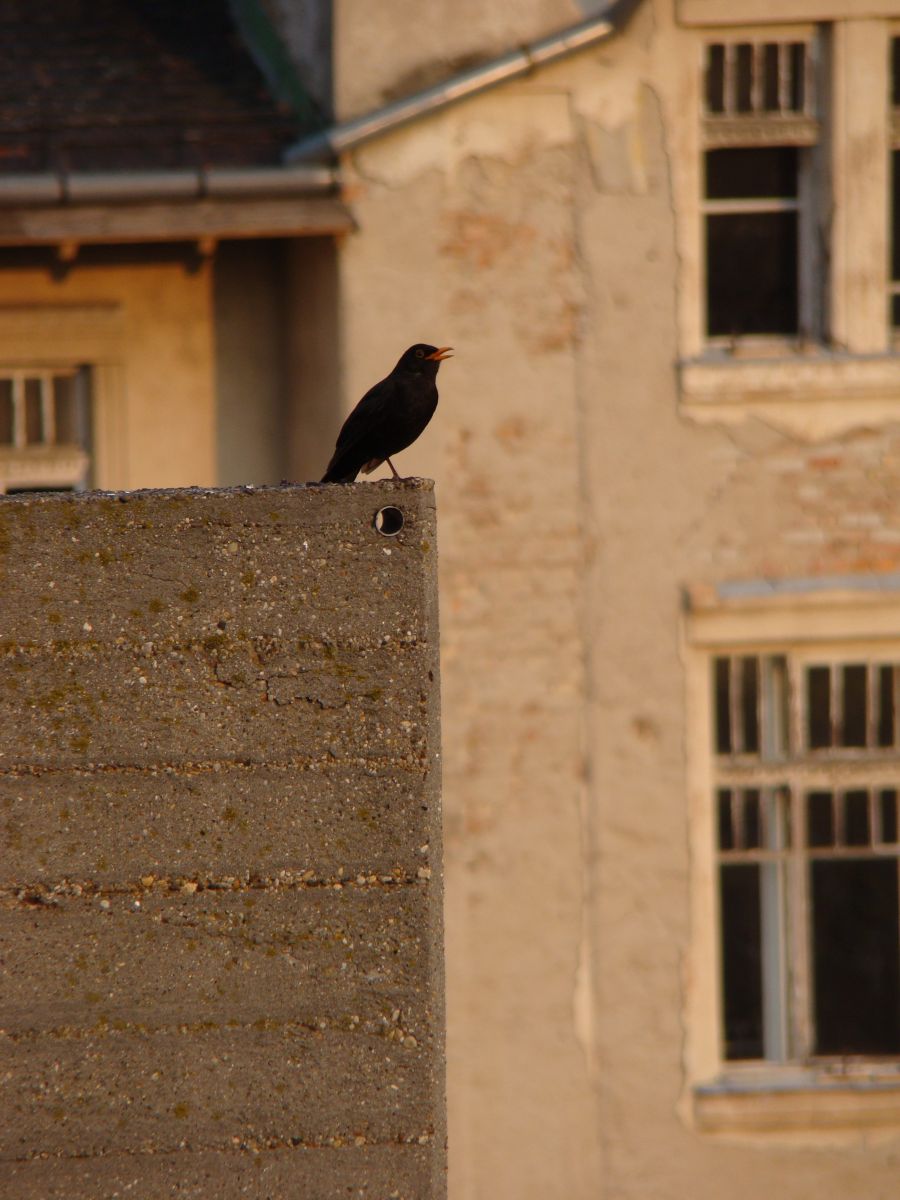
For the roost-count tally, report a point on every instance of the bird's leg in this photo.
(394, 470)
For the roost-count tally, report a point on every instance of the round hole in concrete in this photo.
(388, 521)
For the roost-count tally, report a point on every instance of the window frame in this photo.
(44, 463)
(796, 771)
(856, 359)
(803, 130)
(92, 334)
(892, 285)
(845, 620)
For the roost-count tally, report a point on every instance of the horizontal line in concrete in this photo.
(421, 1137)
(187, 768)
(43, 895)
(246, 1166)
(117, 1027)
(59, 1097)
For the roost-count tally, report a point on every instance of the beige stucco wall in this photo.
(533, 229)
(158, 407)
(386, 51)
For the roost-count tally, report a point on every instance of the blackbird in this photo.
(390, 416)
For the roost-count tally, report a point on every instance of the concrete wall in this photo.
(220, 892)
(534, 228)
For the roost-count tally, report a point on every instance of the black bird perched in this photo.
(390, 416)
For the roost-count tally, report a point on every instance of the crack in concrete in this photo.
(201, 644)
(50, 895)
(381, 1026)
(236, 1145)
(314, 764)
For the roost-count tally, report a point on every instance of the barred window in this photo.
(806, 777)
(45, 428)
(761, 140)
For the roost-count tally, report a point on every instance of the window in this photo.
(806, 753)
(761, 141)
(45, 428)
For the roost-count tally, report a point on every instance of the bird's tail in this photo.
(339, 471)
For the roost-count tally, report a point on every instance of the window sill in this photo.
(806, 391)
(41, 466)
(797, 1101)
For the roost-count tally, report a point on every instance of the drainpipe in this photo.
(508, 66)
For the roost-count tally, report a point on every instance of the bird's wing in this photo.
(353, 448)
(367, 416)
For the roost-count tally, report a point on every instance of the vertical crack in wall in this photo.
(583, 994)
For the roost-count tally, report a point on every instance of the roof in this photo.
(125, 85)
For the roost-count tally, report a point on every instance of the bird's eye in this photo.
(420, 353)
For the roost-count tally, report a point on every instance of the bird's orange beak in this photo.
(440, 354)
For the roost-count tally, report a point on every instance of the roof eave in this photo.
(170, 206)
(514, 64)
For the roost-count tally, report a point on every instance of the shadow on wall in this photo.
(277, 358)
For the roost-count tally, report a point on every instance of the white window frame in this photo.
(892, 285)
(726, 12)
(853, 620)
(48, 336)
(45, 463)
(801, 131)
(854, 377)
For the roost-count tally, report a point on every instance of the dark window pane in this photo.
(798, 76)
(781, 704)
(770, 77)
(33, 423)
(750, 703)
(888, 803)
(818, 706)
(885, 706)
(751, 269)
(854, 696)
(741, 961)
(895, 310)
(744, 72)
(722, 672)
(726, 826)
(751, 820)
(856, 819)
(64, 405)
(715, 79)
(895, 71)
(895, 219)
(819, 819)
(752, 174)
(79, 387)
(855, 933)
(6, 413)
